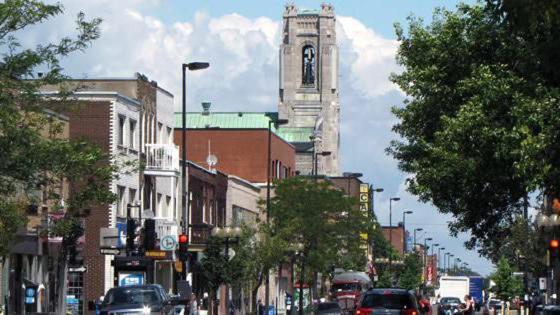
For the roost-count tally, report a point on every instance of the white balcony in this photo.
(162, 160)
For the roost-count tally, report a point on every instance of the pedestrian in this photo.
(193, 306)
(469, 306)
(260, 308)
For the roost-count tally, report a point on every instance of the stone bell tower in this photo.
(309, 87)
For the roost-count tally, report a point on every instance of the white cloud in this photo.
(243, 76)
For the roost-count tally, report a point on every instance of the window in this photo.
(169, 135)
(132, 134)
(121, 201)
(161, 136)
(308, 65)
(120, 130)
(168, 205)
(159, 206)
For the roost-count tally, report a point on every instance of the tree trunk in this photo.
(60, 285)
(255, 304)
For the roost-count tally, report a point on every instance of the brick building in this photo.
(397, 235)
(130, 119)
(240, 143)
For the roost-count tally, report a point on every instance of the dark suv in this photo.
(387, 302)
(138, 300)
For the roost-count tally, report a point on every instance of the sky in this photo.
(240, 39)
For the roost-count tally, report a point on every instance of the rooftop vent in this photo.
(206, 108)
(240, 114)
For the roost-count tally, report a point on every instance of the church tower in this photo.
(308, 95)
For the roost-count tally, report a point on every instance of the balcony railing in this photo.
(162, 160)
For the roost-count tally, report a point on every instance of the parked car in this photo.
(449, 305)
(494, 304)
(388, 302)
(328, 308)
(139, 299)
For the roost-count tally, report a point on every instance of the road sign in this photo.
(109, 251)
(78, 269)
(168, 242)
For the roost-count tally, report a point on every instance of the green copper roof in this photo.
(243, 120)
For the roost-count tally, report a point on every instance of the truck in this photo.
(476, 285)
(457, 287)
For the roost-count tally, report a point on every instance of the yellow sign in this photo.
(156, 254)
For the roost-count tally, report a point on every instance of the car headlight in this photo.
(146, 310)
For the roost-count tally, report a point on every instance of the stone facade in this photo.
(308, 91)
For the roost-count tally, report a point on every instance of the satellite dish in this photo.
(211, 160)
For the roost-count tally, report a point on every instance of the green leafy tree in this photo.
(410, 277)
(322, 222)
(479, 128)
(35, 156)
(507, 286)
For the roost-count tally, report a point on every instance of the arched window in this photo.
(308, 65)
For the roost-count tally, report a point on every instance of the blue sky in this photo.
(240, 39)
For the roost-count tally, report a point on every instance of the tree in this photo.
(507, 286)
(410, 276)
(321, 221)
(478, 130)
(35, 157)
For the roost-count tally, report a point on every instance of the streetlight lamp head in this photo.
(196, 65)
(408, 212)
(419, 229)
(429, 239)
(436, 245)
(395, 199)
(378, 190)
(442, 248)
(281, 121)
(326, 153)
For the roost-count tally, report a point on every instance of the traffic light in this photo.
(150, 234)
(183, 247)
(553, 248)
(130, 234)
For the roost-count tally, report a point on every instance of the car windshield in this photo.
(388, 301)
(328, 306)
(450, 300)
(345, 287)
(124, 295)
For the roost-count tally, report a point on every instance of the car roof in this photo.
(144, 286)
(388, 290)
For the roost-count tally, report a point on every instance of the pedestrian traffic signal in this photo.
(554, 244)
(183, 247)
(150, 234)
(130, 234)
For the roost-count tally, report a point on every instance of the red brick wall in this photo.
(240, 152)
(91, 121)
(397, 237)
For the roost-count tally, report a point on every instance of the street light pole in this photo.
(373, 191)
(391, 231)
(415, 230)
(439, 257)
(404, 229)
(276, 122)
(449, 261)
(184, 208)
